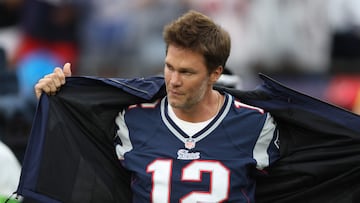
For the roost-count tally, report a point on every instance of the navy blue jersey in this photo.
(217, 164)
(71, 155)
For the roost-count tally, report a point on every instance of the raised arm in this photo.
(52, 82)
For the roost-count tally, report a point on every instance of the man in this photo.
(203, 145)
(178, 139)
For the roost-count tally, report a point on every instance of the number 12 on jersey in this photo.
(161, 170)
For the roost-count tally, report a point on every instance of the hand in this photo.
(52, 82)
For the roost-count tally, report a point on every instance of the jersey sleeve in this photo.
(266, 150)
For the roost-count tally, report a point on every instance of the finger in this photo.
(38, 91)
(49, 75)
(41, 87)
(67, 69)
(59, 77)
(58, 82)
(52, 86)
(46, 85)
(52, 80)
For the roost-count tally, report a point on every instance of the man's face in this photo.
(186, 77)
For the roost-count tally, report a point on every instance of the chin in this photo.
(175, 104)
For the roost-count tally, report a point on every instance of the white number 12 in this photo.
(161, 170)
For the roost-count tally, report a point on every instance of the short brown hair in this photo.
(198, 32)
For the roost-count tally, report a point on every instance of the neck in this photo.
(203, 110)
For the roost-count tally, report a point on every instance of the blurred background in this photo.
(312, 46)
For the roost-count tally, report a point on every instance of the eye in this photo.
(187, 72)
(169, 67)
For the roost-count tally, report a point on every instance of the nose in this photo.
(175, 79)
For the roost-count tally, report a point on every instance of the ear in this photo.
(215, 75)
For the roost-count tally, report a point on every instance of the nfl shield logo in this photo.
(189, 143)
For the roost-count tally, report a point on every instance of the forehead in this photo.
(183, 57)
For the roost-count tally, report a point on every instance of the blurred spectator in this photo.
(48, 39)
(10, 14)
(36, 36)
(123, 38)
(107, 37)
(151, 45)
(345, 46)
(232, 15)
(9, 172)
(344, 87)
(50, 26)
(273, 33)
(343, 90)
(15, 112)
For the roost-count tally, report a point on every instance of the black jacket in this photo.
(70, 155)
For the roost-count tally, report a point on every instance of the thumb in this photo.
(67, 69)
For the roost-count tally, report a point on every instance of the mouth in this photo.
(174, 93)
